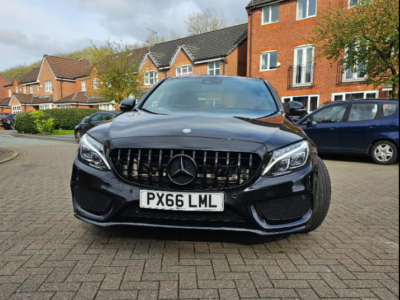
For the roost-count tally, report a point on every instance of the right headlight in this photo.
(93, 154)
(288, 159)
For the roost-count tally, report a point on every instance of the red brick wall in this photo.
(284, 36)
(3, 90)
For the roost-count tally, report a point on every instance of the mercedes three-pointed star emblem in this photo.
(182, 169)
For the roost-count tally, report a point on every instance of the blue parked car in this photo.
(367, 127)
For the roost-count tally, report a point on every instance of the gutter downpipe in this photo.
(251, 39)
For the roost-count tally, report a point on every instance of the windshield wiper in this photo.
(149, 111)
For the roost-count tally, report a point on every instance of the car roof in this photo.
(213, 76)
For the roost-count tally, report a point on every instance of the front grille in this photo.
(135, 213)
(215, 170)
(286, 209)
(93, 202)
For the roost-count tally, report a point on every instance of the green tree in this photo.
(366, 37)
(118, 67)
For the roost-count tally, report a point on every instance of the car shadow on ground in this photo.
(348, 158)
(185, 235)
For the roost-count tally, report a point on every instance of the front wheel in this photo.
(323, 194)
(384, 153)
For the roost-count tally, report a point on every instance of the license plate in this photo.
(182, 201)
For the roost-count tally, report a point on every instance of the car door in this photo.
(363, 126)
(94, 120)
(390, 120)
(324, 127)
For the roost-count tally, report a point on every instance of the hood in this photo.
(274, 131)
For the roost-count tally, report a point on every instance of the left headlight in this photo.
(92, 153)
(288, 160)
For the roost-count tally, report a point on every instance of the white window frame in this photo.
(65, 106)
(48, 86)
(16, 89)
(24, 89)
(16, 109)
(83, 86)
(355, 92)
(308, 6)
(214, 68)
(46, 106)
(9, 93)
(309, 100)
(96, 85)
(355, 74)
(107, 107)
(31, 89)
(149, 76)
(358, 2)
(269, 61)
(38, 88)
(304, 70)
(270, 14)
(180, 68)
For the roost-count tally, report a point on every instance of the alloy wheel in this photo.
(384, 153)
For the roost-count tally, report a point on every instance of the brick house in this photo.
(5, 106)
(221, 52)
(83, 100)
(26, 103)
(279, 52)
(3, 82)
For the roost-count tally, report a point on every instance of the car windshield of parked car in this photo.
(216, 95)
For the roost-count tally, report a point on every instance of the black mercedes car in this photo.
(216, 153)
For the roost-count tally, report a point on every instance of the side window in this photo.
(389, 110)
(96, 118)
(107, 117)
(363, 112)
(332, 114)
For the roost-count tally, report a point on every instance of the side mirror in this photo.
(127, 104)
(294, 108)
(309, 123)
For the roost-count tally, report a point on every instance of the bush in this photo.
(64, 119)
(44, 125)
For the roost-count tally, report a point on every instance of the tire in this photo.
(323, 194)
(384, 153)
(78, 136)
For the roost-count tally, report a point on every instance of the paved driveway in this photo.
(45, 253)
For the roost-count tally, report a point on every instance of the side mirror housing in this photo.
(127, 104)
(294, 108)
(309, 123)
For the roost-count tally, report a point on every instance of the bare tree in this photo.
(206, 21)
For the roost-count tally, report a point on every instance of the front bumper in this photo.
(268, 206)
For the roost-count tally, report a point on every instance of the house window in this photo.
(355, 95)
(303, 71)
(95, 83)
(48, 87)
(269, 61)
(83, 86)
(16, 109)
(150, 78)
(24, 89)
(38, 88)
(184, 71)
(45, 106)
(306, 9)
(107, 107)
(354, 3)
(310, 102)
(16, 89)
(31, 89)
(9, 93)
(270, 14)
(65, 106)
(214, 68)
(355, 73)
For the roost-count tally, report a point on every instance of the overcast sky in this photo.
(31, 28)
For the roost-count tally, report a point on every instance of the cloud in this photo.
(50, 27)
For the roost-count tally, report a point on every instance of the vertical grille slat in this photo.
(215, 170)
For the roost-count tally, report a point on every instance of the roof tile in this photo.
(66, 68)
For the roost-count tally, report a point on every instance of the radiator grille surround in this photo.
(216, 170)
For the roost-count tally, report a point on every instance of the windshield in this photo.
(216, 95)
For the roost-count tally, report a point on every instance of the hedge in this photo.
(64, 119)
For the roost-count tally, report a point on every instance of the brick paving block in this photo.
(384, 294)
(216, 284)
(63, 296)
(88, 290)
(278, 293)
(168, 290)
(228, 294)
(112, 282)
(187, 281)
(148, 295)
(246, 289)
(199, 294)
(7, 289)
(307, 294)
(354, 293)
(32, 283)
(141, 285)
(116, 295)
(322, 289)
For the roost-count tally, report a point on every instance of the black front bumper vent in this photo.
(215, 170)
